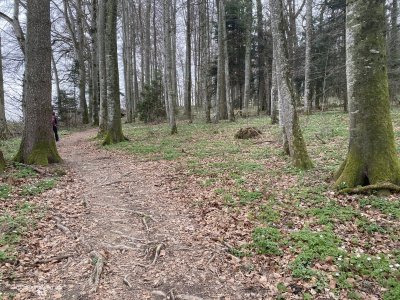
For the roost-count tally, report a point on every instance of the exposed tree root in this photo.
(371, 188)
(53, 259)
(187, 297)
(119, 247)
(62, 227)
(139, 213)
(126, 281)
(145, 223)
(98, 269)
(157, 253)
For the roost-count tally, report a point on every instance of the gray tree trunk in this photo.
(307, 67)
(170, 95)
(3, 122)
(287, 96)
(95, 64)
(101, 26)
(114, 130)
(229, 102)
(247, 58)
(188, 63)
(38, 144)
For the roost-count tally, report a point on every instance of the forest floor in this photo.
(200, 214)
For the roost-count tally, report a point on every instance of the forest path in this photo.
(145, 235)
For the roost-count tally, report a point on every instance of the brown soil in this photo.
(141, 220)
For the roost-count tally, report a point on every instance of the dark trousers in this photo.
(56, 133)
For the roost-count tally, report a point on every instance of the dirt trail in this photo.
(128, 214)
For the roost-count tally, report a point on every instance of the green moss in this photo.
(372, 157)
(42, 153)
(114, 136)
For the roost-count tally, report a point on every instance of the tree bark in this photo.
(307, 67)
(95, 64)
(188, 63)
(3, 122)
(287, 96)
(101, 26)
(38, 144)
(114, 130)
(247, 59)
(372, 156)
(229, 102)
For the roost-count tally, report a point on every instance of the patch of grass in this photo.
(313, 246)
(364, 225)
(331, 212)
(266, 240)
(38, 188)
(267, 214)
(246, 197)
(23, 171)
(10, 147)
(393, 292)
(5, 190)
(390, 207)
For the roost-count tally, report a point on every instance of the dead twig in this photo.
(119, 247)
(98, 269)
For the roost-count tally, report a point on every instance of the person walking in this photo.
(54, 122)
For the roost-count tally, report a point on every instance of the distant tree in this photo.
(3, 122)
(372, 155)
(38, 144)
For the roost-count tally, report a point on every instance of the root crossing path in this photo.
(130, 238)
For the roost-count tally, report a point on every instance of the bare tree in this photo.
(38, 144)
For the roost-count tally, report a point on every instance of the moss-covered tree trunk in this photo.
(372, 157)
(114, 131)
(38, 144)
(2, 162)
(294, 143)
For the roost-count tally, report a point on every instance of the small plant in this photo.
(38, 188)
(246, 197)
(268, 215)
(266, 240)
(23, 171)
(4, 191)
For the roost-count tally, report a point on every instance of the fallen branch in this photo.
(320, 139)
(139, 213)
(98, 269)
(127, 236)
(52, 259)
(159, 293)
(370, 188)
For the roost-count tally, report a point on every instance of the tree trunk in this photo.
(372, 156)
(394, 53)
(3, 122)
(203, 93)
(171, 96)
(274, 96)
(38, 145)
(114, 130)
(291, 127)
(188, 64)
(95, 65)
(247, 58)
(229, 102)
(307, 67)
(222, 112)
(101, 26)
